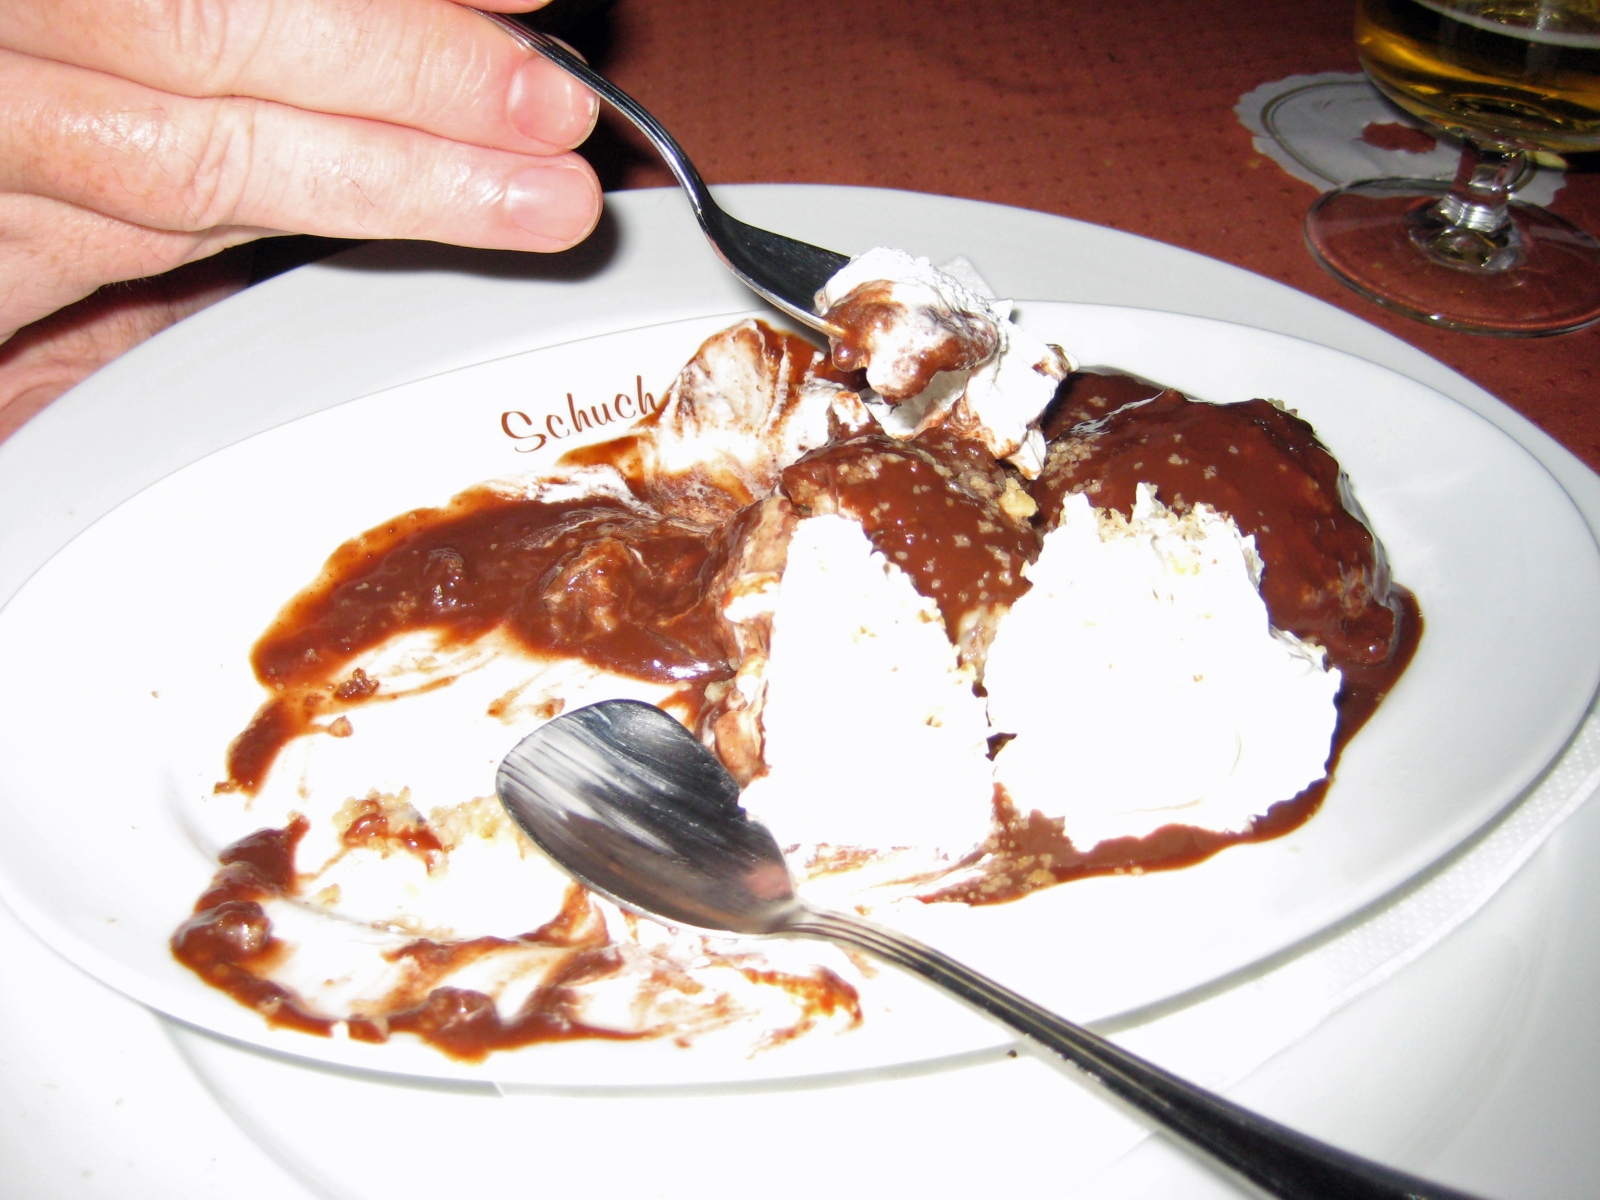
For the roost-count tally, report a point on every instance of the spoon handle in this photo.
(1272, 1156)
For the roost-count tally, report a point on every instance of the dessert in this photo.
(939, 349)
(1166, 618)
(788, 558)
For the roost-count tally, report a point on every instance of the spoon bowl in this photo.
(628, 802)
(635, 808)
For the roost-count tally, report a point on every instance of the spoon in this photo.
(635, 808)
(786, 273)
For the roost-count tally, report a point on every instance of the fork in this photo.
(781, 270)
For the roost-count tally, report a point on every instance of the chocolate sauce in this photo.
(931, 505)
(629, 588)
(1089, 395)
(467, 1025)
(1324, 581)
(821, 994)
(591, 579)
(229, 943)
(373, 827)
(870, 311)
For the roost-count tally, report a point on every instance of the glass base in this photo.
(1539, 277)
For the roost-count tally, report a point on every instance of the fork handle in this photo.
(1272, 1156)
(786, 272)
(666, 145)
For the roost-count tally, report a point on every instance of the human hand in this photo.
(139, 135)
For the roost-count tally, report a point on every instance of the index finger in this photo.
(433, 65)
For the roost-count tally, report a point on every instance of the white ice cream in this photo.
(1144, 683)
(998, 400)
(861, 665)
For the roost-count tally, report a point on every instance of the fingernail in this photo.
(550, 106)
(558, 204)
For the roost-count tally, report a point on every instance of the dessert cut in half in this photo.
(964, 624)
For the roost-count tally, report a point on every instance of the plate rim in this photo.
(11, 900)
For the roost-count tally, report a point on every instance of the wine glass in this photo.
(1508, 77)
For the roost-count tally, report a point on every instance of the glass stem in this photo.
(1471, 228)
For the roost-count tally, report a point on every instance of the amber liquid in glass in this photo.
(1514, 73)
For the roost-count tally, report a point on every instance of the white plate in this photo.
(108, 847)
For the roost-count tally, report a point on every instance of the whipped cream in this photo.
(1144, 684)
(743, 408)
(941, 348)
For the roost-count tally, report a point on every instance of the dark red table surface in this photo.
(1119, 114)
(1115, 113)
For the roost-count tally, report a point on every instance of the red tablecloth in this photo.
(1120, 114)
